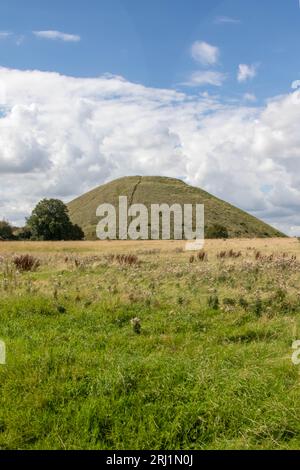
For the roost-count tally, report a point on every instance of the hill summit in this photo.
(149, 190)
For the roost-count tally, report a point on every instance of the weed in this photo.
(26, 263)
(228, 301)
(202, 256)
(213, 302)
(229, 254)
(127, 260)
(136, 325)
(243, 303)
(258, 307)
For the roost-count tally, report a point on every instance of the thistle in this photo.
(136, 325)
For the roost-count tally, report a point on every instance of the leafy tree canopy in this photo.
(50, 221)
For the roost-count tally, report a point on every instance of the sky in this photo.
(202, 90)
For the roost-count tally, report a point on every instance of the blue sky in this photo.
(149, 41)
(202, 90)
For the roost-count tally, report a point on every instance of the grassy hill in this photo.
(157, 190)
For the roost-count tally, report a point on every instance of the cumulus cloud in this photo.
(60, 136)
(207, 77)
(296, 84)
(246, 72)
(205, 53)
(57, 35)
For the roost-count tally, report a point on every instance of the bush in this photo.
(6, 231)
(26, 263)
(23, 233)
(217, 231)
(75, 233)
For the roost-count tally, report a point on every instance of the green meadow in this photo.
(141, 345)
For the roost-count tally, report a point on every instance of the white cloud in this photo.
(18, 39)
(5, 34)
(60, 136)
(226, 20)
(250, 97)
(296, 84)
(207, 77)
(205, 53)
(57, 35)
(246, 72)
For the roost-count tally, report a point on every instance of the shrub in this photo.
(26, 263)
(6, 231)
(217, 231)
(23, 233)
(75, 233)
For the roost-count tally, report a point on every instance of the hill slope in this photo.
(150, 190)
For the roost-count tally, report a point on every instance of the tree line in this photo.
(49, 221)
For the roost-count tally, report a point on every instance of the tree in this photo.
(6, 231)
(76, 233)
(50, 221)
(217, 231)
(22, 233)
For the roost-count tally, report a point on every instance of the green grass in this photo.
(78, 377)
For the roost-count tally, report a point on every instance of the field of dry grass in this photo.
(276, 245)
